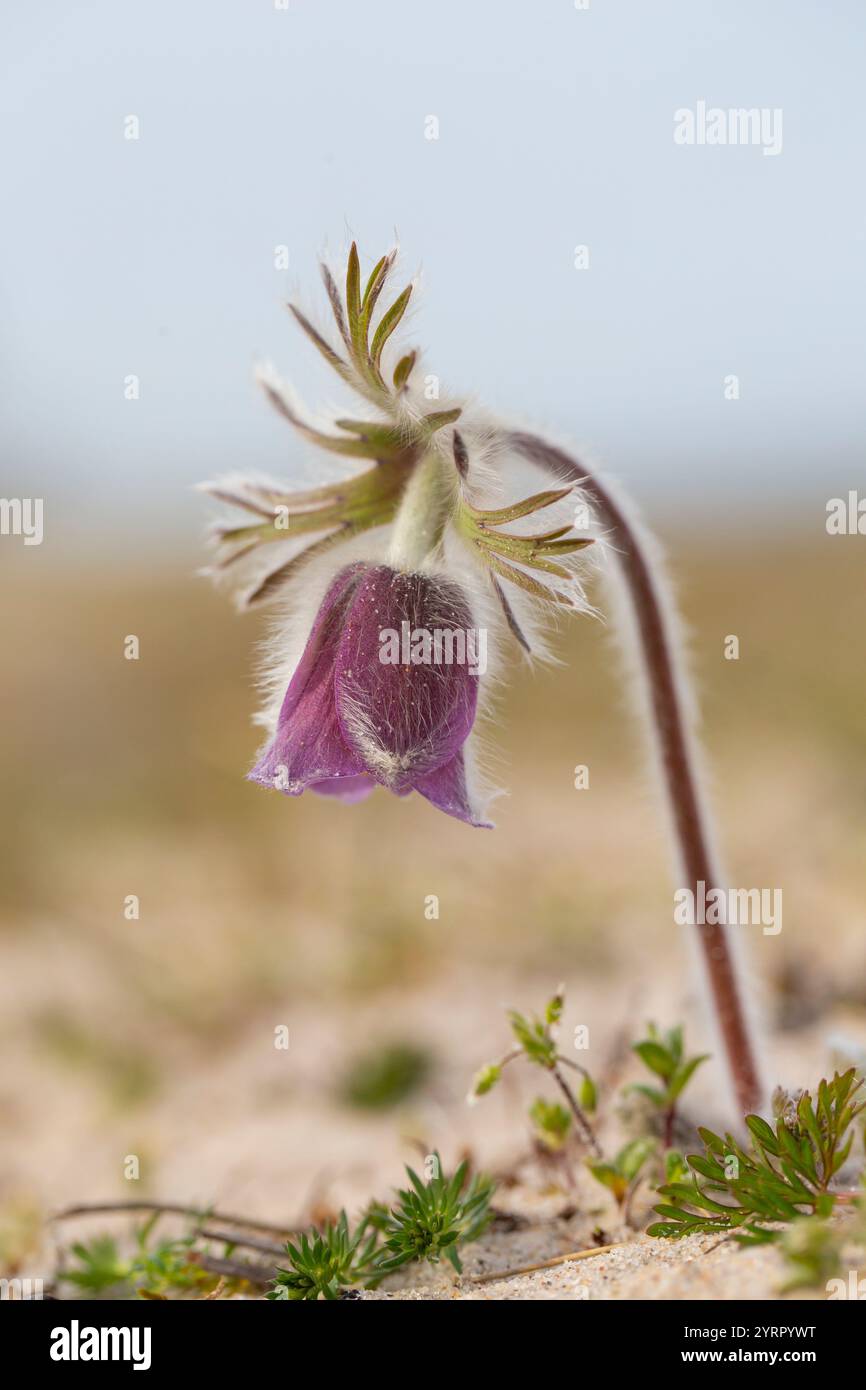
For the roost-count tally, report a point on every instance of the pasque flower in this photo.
(429, 527)
(428, 559)
(350, 720)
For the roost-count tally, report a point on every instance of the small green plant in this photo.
(623, 1174)
(428, 1220)
(786, 1175)
(153, 1270)
(324, 1262)
(664, 1055)
(431, 1218)
(551, 1124)
(536, 1039)
(100, 1266)
(385, 1076)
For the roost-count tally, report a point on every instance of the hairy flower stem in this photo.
(424, 510)
(677, 759)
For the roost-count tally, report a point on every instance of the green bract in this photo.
(401, 442)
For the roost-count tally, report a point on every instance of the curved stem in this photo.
(677, 758)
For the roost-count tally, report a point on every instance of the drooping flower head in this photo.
(385, 688)
(352, 717)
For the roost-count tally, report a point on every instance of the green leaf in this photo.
(633, 1156)
(439, 418)
(526, 582)
(389, 321)
(707, 1167)
(588, 1094)
(712, 1141)
(651, 1092)
(683, 1075)
(553, 1009)
(763, 1133)
(403, 369)
(353, 291)
(486, 1079)
(670, 1230)
(656, 1057)
(677, 1213)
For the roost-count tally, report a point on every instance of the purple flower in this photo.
(360, 712)
(357, 714)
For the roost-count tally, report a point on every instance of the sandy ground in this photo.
(696, 1267)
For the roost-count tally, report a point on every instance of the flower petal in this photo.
(405, 717)
(348, 789)
(309, 747)
(446, 789)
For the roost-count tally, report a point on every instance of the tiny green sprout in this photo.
(535, 1036)
(485, 1080)
(536, 1042)
(664, 1055)
(324, 1262)
(786, 1173)
(622, 1176)
(432, 1218)
(551, 1123)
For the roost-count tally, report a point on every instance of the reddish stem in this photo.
(677, 759)
(670, 1118)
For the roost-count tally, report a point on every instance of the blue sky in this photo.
(299, 127)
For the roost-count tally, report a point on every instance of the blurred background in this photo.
(268, 135)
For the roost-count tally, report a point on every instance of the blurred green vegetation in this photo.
(385, 1075)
